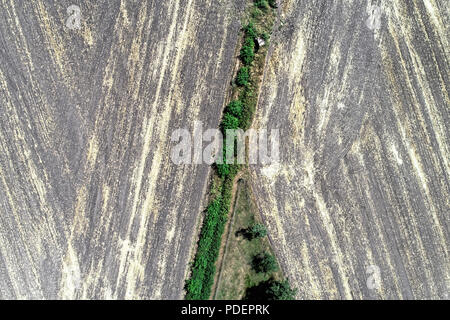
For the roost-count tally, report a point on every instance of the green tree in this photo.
(261, 4)
(250, 30)
(230, 122)
(248, 50)
(257, 230)
(264, 263)
(280, 290)
(247, 54)
(256, 13)
(243, 76)
(235, 108)
(271, 290)
(223, 169)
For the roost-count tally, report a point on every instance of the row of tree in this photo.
(266, 263)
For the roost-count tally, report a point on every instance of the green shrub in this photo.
(235, 108)
(248, 99)
(243, 76)
(257, 230)
(264, 263)
(261, 4)
(248, 51)
(280, 290)
(256, 13)
(271, 290)
(230, 122)
(223, 170)
(250, 30)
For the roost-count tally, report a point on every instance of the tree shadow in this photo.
(244, 232)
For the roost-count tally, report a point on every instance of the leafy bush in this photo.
(264, 263)
(223, 169)
(230, 122)
(226, 169)
(235, 108)
(256, 13)
(243, 76)
(203, 268)
(257, 230)
(250, 31)
(261, 4)
(248, 51)
(280, 290)
(248, 99)
(271, 290)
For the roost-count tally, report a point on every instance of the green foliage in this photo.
(265, 36)
(261, 4)
(203, 269)
(273, 3)
(243, 76)
(271, 290)
(248, 51)
(280, 290)
(248, 48)
(248, 99)
(257, 230)
(250, 31)
(230, 122)
(235, 108)
(223, 170)
(256, 13)
(264, 263)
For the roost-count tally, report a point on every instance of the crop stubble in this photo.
(90, 204)
(364, 176)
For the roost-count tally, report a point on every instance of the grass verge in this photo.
(237, 274)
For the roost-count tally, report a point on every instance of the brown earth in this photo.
(364, 173)
(91, 205)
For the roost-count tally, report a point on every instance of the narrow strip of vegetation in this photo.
(249, 269)
(238, 114)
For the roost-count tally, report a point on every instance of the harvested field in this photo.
(90, 204)
(363, 183)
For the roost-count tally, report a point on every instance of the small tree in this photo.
(223, 169)
(243, 77)
(271, 290)
(248, 51)
(261, 4)
(265, 36)
(230, 122)
(257, 230)
(264, 263)
(235, 108)
(280, 290)
(250, 30)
